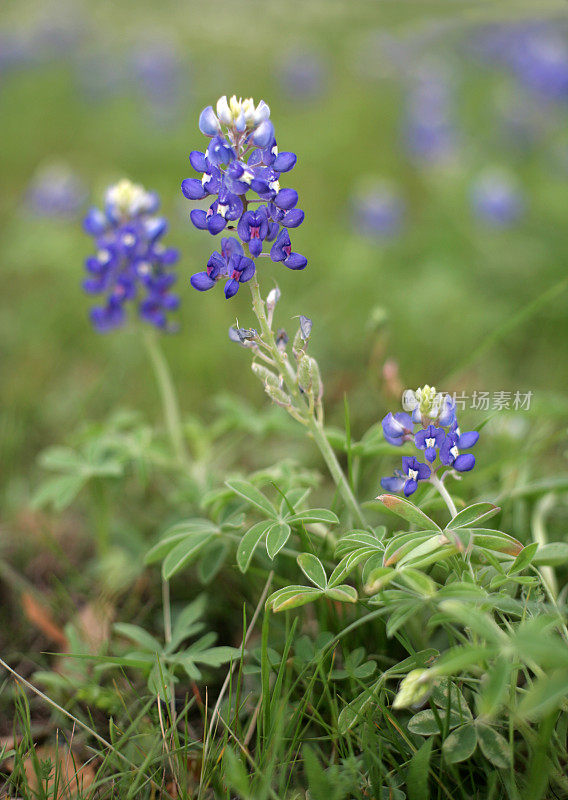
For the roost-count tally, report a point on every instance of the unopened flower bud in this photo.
(281, 339)
(279, 397)
(414, 688)
(265, 375)
(309, 378)
(272, 298)
(305, 327)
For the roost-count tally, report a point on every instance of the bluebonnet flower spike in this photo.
(429, 421)
(131, 264)
(240, 165)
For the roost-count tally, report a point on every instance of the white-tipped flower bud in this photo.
(223, 110)
(272, 298)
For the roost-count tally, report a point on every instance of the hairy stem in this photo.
(315, 426)
(444, 494)
(168, 396)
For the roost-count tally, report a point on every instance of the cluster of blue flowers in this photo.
(430, 421)
(242, 157)
(130, 263)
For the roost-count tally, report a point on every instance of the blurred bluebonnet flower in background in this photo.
(302, 74)
(534, 51)
(496, 198)
(16, 52)
(56, 192)
(378, 210)
(429, 420)
(161, 75)
(101, 74)
(242, 157)
(131, 264)
(429, 127)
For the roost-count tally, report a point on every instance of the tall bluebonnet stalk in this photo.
(242, 166)
(429, 421)
(131, 265)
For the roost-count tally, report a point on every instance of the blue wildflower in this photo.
(56, 192)
(406, 480)
(433, 428)
(378, 211)
(429, 128)
(130, 262)
(397, 428)
(242, 165)
(429, 439)
(496, 198)
(230, 264)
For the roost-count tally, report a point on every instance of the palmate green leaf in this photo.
(185, 553)
(553, 554)
(343, 593)
(378, 578)
(347, 565)
(188, 622)
(495, 541)
(417, 779)
(418, 581)
(494, 746)
(524, 559)
(213, 558)
(355, 540)
(447, 693)
(292, 597)
(314, 515)
(62, 459)
(254, 496)
(408, 511)
(434, 545)
(424, 723)
(249, 543)
(58, 492)
(402, 543)
(176, 534)
(473, 514)
(139, 636)
(277, 536)
(216, 656)
(313, 569)
(460, 744)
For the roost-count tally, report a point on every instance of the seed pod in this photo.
(315, 378)
(265, 375)
(304, 374)
(277, 395)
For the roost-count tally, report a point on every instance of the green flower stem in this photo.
(168, 396)
(315, 426)
(444, 494)
(101, 513)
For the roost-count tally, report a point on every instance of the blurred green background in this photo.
(432, 167)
